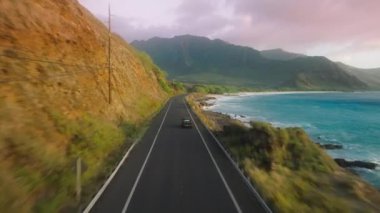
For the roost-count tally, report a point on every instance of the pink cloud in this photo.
(309, 21)
(316, 27)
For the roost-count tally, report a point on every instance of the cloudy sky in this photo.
(343, 30)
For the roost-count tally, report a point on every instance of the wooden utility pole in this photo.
(109, 56)
(78, 179)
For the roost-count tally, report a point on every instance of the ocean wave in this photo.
(375, 159)
(223, 97)
(247, 119)
(306, 126)
(243, 94)
(242, 118)
(350, 146)
(327, 119)
(233, 96)
(327, 139)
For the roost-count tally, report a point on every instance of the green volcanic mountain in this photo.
(201, 60)
(280, 54)
(370, 76)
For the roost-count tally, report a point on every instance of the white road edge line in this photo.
(215, 164)
(108, 181)
(265, 206)
(125, 208)
(105, 185)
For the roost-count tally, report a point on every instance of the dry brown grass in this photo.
(33, 149)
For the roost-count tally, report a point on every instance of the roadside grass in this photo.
(153, 69)
(101, 145)
(51, 114)
(92, 140)
(289, 170)
(37, 176)
(40, 142)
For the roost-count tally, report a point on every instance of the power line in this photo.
(17, 48)
(47, 77)
(85, 93)
(28, 50)
(48, 61)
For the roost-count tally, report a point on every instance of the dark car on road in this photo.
(186, 123)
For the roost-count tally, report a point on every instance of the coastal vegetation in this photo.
(150, 67)
(291, 172)
(217, 89)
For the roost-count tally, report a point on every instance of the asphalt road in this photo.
(177, 170)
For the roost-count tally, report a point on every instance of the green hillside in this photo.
(369, 76)
(201, 60)
(280, 54)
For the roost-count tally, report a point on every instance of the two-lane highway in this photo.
(177, 170)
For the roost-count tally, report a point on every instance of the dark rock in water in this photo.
(206, 104)
(330, 146)
(360, 164)
(209, 98)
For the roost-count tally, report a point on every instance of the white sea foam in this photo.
(230, 96)
(279, 93)
(327, 139)
(245, 119)
(357, 145)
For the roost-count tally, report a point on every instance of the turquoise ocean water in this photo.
(350, 119)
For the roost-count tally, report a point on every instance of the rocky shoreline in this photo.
(209, 101)
(355, 164)
(206, 102)
(330, 146)
(346, 163)
(268, 155)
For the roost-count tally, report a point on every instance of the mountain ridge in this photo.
(201, 60)
(280, 54)
(370, 76)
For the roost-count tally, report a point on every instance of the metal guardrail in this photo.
(236, 166)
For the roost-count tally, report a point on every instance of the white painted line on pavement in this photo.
(215, 164)
(246, 180)
(125, 208)
(100, 192)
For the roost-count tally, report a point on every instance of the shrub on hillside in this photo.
(265, 144)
